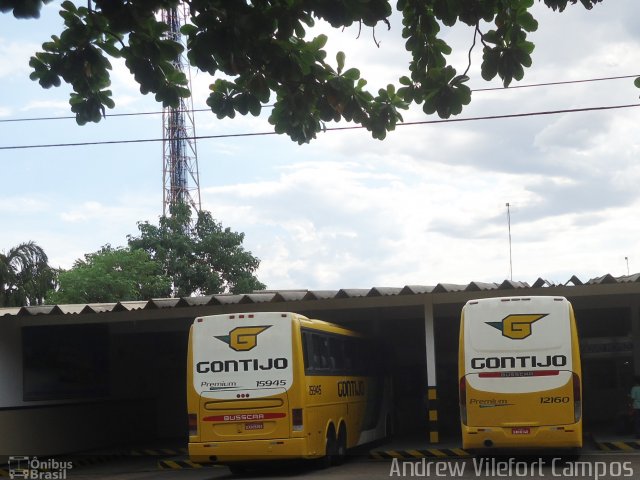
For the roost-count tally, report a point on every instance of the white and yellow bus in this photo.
(266, 386)
(519, 374)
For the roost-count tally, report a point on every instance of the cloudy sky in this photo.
(425, 206)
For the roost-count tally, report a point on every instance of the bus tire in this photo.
(571, 455)
(330, 449)
(388, 429)
(341, 446)
(237, 468)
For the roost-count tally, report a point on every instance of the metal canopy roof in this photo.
(280, 296)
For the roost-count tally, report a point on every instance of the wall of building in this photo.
(10, 364)
(65, 428)
(143, 373)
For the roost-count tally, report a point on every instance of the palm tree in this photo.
(25, 276)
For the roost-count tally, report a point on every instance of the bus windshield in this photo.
(531, 346)
(241, 354)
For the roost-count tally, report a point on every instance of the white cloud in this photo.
(87, 226)
(95, 211)
(52, 107)
(359, 220)
(24, 204)
(14, 57)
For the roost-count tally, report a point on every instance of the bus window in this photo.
(336, 353)
(305, 350)
(320, 351)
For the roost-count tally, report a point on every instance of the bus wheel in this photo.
(330, 450)
(388, 429)
(238, 468)
(341, 446)
(571, 455)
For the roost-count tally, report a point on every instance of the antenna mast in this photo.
(510, 258)
(181, 180)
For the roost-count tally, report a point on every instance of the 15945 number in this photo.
(315, 389)
(271, 383)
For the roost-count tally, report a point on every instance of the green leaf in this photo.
(492, 37)
(526, 46)
(527, 22)
(352, 74)
(319, 42)
(241, 104)
(110, 49)
(255, 107)
(490, 59)
(459, 80)
(69, 6)
(109, 103)
(188, 29)
(340, 57)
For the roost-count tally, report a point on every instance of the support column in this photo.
(635, 335)
(432, 395)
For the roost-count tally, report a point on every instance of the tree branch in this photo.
(475, 35)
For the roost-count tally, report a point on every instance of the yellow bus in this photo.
(267, 386)
(519, 374)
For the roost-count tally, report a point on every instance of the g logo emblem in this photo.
(517, 326)
(243, 339)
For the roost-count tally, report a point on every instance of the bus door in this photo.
(243, 371)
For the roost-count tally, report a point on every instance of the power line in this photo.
(354, 127)
(72, 117)
(196, 110)
(548, 84)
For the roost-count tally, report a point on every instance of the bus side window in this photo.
(320, 359)
(348, 355)
(305, 351)
(324, 356)
(336, 354)
(353, 356)
(361, 357)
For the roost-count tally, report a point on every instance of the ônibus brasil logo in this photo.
(517, 326)
(243, 339)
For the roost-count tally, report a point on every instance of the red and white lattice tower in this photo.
(180, 175)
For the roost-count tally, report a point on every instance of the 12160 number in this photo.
(554, 399)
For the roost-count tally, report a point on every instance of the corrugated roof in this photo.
(279, 296)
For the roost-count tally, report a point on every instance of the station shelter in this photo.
(79, 377)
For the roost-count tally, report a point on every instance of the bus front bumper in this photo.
(253, 450)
